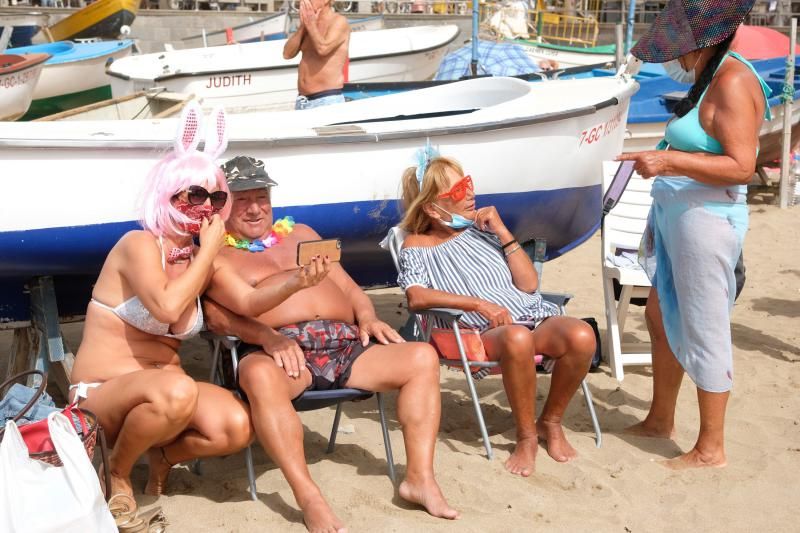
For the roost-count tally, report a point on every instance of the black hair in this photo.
(693, 96)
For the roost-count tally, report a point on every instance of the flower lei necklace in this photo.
(280, 229)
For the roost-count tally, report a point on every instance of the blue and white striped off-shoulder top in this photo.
(471, 264)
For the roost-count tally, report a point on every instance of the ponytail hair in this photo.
(416, 195)
(696, 91)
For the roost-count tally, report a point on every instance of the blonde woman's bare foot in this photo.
(651, 430)
(695, 459)
(159, 472)
(523, 461)
(319, 517)
(556, 443)
(428, 494)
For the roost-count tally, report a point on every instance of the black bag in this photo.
(598, 350)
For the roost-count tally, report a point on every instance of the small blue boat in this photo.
(74, 75)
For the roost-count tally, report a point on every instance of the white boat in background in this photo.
(74, 75)
(268, 28)
(533, 149)
(367, 24)
(566, 56)
(255, 75)
(18, 78)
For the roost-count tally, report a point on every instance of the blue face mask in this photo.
(456, 220)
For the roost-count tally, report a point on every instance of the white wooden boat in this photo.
(533, 150)
(18, 77)
(251, 75)
(261, 29)
(74, 75)
(567, 56)
(367, 24)
(150, 104)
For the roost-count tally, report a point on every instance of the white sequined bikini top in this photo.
(133, 312)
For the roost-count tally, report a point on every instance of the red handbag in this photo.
(37, 434)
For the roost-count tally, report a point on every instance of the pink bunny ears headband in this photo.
(191, 123)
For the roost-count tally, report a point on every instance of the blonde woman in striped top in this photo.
(460, 257)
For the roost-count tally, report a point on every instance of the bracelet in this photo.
(509, 243)
(512, 250)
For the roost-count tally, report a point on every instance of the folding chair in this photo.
(394, 243)
(621, 232)
(308, 401)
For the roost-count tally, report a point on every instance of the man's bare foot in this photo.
(159, 471)
(523, 461)
(695, 459)
(651, 430)
(319, 517)
(428, 494)
(555, 441)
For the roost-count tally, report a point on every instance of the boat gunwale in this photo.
(337, 139)
(193, 74)
(28, 62)
(199, 36)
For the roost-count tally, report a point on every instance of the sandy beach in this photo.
(619, 487)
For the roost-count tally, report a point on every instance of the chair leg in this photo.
(335, 428)
(587, 396)
(386, 442)
(251, 474)
(473, 392)
(217, 345)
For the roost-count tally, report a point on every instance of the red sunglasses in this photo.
(458, 191)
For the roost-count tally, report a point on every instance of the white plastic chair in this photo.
(394, 242)
(622, 229)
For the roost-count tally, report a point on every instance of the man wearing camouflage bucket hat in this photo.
(698, 218)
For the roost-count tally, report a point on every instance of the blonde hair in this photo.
(415, 197)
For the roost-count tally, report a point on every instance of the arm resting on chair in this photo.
(223, 321)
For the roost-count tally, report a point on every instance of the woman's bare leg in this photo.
(572, 344)
(514, 347)
(667, 377)
(220, 426)
(710, 447)
(413, 368)
(137, 411)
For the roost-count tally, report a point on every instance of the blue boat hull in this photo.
(564, 217)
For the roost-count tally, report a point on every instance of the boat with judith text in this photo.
(243, 76)
(533, 150)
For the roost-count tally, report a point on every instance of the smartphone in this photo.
(306, 250)
(618, 184)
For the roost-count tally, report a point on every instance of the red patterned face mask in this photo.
(194, 212)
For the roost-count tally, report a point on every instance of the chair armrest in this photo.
(211, 336)
(561, 299)
(441, 312)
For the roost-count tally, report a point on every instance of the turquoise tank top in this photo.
(687, 134)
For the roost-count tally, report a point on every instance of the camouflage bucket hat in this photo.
(688, 25)
(246, 173)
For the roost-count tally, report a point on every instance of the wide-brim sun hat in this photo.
(688, 25)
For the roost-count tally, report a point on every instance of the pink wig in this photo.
(182, 168)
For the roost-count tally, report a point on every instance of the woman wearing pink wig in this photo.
(145, 302)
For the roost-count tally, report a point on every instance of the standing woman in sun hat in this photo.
(699, 214)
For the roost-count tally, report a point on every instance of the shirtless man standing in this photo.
(318, 338)
(323, 37)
